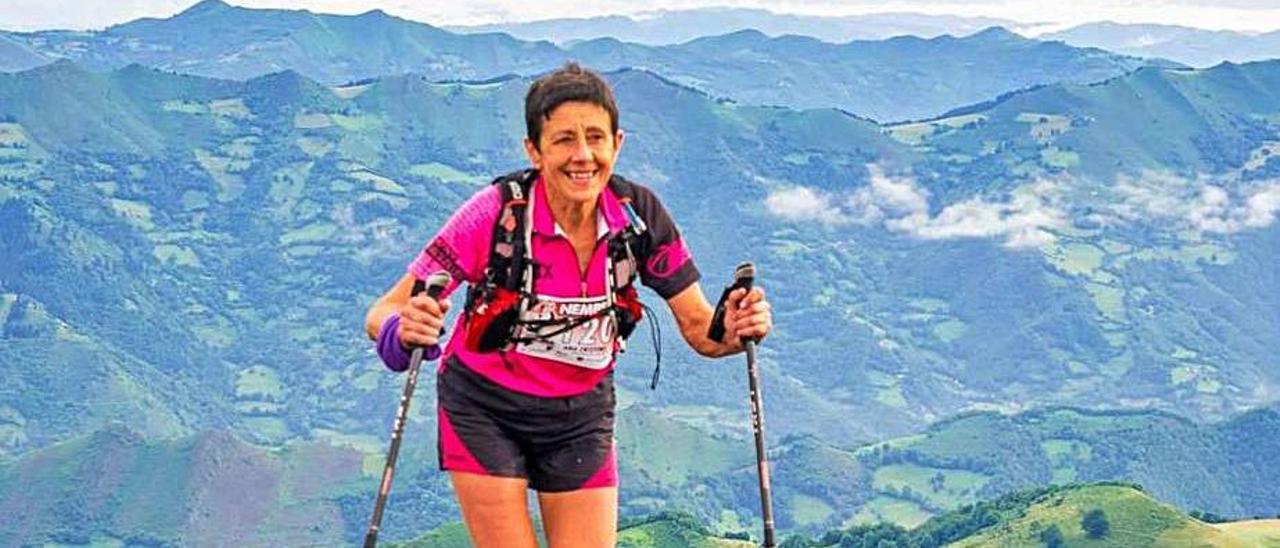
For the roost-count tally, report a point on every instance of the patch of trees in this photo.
(1209, 517)
(1052, 537)
(880, 535)
(1095, 523)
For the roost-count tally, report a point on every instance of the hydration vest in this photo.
(493, 308)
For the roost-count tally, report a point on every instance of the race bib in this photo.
(588, 345)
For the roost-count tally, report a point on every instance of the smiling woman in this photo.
(550, 255)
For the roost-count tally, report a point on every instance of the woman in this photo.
(537, 410)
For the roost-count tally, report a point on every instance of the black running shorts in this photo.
(558, 444)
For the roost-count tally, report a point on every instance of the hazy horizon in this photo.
(1034, 16)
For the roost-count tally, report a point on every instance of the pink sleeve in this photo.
(461, 248)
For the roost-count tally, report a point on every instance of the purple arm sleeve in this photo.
(393, 355)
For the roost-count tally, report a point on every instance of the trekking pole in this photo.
(743, 277)
(434, 285)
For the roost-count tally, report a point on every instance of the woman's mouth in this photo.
(581, 176)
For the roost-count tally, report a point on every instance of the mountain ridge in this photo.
(224, 41)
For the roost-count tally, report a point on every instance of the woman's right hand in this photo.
(421, 321)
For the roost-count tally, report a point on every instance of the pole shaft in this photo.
(397, 433)
(762, 458)
(433, 285)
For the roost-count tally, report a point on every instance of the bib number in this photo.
(589, 344)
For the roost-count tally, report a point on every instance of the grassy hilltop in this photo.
(1120, 516)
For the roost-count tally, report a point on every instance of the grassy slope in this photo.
(1135, 520)
(1016, 520)
(210, 489)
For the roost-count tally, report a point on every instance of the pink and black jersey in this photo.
(462, 247)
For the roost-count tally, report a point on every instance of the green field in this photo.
(890, 510)
(940, 487)
(918, 132)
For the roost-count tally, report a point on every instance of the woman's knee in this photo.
(585, 518)
(495, 509)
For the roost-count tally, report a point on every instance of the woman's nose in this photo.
(581, 152)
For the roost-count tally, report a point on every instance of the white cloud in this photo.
(1025, 219)
(1261, 207)
(1030, 213)
(884, 197)
(804, 204)
(1203, 204)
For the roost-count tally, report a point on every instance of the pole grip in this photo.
(434, 284)
(743, 277)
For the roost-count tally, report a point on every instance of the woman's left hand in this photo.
(747, 315)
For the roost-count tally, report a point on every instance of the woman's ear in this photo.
(535, 157)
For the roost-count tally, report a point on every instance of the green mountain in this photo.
(88, 384)
(114, 486)
(213, 38)
(16, 56)
(1077, 515)
(664, 27)
(979, 456)
(1212, 121)
(1220, 468)
(932, 482)
(865, 77)
(201, 251)
(1105, 514)
(218, 40)
(1100, 186)
(277, 199)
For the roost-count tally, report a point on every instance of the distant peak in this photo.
(602, 41)
(747, 34)
(996, 33)
(135, 68)
(61, 66)
(286, 75)
(737, 37)
(288, 81)
(206, 6)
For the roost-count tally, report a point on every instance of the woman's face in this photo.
(575, 152)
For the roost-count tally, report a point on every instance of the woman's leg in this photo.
(585, 518)
(496, 510)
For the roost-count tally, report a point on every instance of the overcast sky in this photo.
(1247, 15)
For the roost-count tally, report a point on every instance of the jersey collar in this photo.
(609, 215)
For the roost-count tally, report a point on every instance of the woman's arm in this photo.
(421, 317)
(389, 303)
(746, 315)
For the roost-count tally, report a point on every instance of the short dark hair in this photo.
(568, 83)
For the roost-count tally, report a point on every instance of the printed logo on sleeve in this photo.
(667, 259)
(440, 252)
